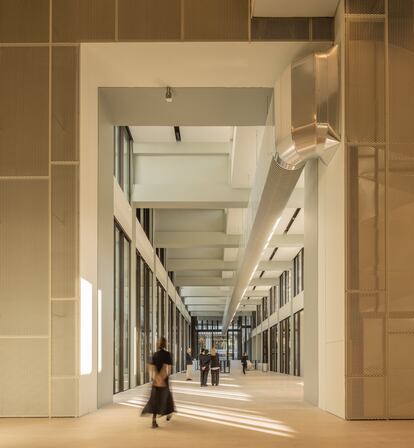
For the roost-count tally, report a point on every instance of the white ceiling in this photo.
(294, 8)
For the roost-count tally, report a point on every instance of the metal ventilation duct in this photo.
(309, 129)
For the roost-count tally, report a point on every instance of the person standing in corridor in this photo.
(204, 367)
(189, 364)
(244, 362)
(161, 401)
(215, 367)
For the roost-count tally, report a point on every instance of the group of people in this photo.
(209, 361)
(161, 402)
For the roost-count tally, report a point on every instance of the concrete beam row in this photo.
(177, 265)
(219, 281)
(177, 240)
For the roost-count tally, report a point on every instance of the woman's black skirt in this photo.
(160, 402)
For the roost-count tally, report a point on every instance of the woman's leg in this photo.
(154, 421)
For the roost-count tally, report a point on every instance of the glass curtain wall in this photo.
(144, 300)
(265, 346)
(122, 316)
(284, 288)
(123, 158)
(298, 273)
(177, 341)
(183, 342)
(285, 346)
(273, 347)
(170, 338)
(297, 343)
(161, 301)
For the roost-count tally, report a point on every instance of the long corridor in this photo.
(255, 410)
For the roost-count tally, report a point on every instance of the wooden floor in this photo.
(256, 410)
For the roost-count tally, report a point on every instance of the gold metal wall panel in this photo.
(323, 28)
(151, 20)
(365, 6)
(24, 112)
(400, 231)
(24, 377)
(64, 338)
(64, 397)
(365, 398)
(281, 28)
(24, 258)
(65, 222)
(365, 333)
(401, 70)
(401, 208)
(65, 103)
(216, 20)
(24, 21)
(365, 81)
(366, 218)
(83, 20)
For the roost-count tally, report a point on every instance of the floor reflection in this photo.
(198, 409)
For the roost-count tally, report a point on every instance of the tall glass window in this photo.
(298, 273)
(298, 342)
(285, 346)
(273, 347)
(284, 288)
(170, 340)
(121, 311)
(265, 346)
(123, 158)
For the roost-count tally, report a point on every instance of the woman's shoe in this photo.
(154, 425)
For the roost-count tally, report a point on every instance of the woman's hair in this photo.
(213, 352)
(162, 343)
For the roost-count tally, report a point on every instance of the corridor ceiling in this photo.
(202, 240)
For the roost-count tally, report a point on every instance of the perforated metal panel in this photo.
(375, 337)
(24, 112)
(64, 397)
(365, 6)
(64, 338)
(216, 20)
(65, 222)
(83, 20)
(366, 218)
(149, 20)
(30, 24)
(280, 28)
(24, 257)
(65, 103)
(24, 385)
(365, 81)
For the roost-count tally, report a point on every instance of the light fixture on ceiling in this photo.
(168, 95)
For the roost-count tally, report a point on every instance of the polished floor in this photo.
(256, 410)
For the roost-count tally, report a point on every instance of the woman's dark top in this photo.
(160, 358)
(215, 361)
(188, 359)
(205, 361)
(244, 360)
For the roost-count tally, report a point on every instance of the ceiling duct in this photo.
(307, 127)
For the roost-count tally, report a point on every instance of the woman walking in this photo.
(161, 401)
(244, 362)
(215, 367)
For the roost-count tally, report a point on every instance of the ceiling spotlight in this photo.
(168, 95)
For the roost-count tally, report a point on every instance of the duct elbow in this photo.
(313, 108)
